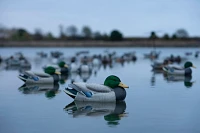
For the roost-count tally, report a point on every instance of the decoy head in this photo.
(51, 70)
(189, 64)
(113, 82)
(62, 64)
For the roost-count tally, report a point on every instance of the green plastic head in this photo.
(188, 64)
(62, 64)
(113, 82)
(51, 70)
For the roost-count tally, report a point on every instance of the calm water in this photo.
(152, 105)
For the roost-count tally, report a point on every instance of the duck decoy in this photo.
(186, 70)
(50, 76)
(112, 90)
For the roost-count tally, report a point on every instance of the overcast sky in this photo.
(131, 17)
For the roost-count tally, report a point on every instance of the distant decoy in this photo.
(187, 71)
(62, 67)
(49, 77)
(159, 65)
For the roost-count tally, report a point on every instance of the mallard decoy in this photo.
(175, 59)
(56, 54)
(188, 53)
(196, 54)
(152, 55)
(62, 67)
(49, 77)
(130, 56)
(160, 65)
(112, 90)
(187, 71)
(84, 68)
(74, 67)
(42, 54)
(95, 61)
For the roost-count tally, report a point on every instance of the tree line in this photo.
(73, 33)
(179, 34)
(69, 33)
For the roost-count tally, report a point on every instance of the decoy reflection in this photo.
(187, 80)
(50, 90)
(112, 112)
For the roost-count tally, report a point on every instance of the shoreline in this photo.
(93, 43)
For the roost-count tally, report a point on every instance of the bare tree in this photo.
(62, 35)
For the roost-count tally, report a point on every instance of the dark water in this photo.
(152, 105)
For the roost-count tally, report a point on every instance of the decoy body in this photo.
(160, 65)
(187, 71)
(61, 66)
(50, 76)
(112, 90)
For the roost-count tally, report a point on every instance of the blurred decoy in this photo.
(179, 71)
(196, 54)
(152, 55)
(159, 65)
(62, 67)
(85, 68)
(42, 54)
(50, 76)
(188, 53)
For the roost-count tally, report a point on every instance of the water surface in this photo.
(153, 104)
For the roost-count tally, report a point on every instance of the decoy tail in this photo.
(71, 92)
(165, 68)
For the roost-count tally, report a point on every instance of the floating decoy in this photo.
(197, 54)
(62, 67)
(42, 54)
(49, 77)
(159, 65)
(112, 90)
(152, 55)
(187, 71)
